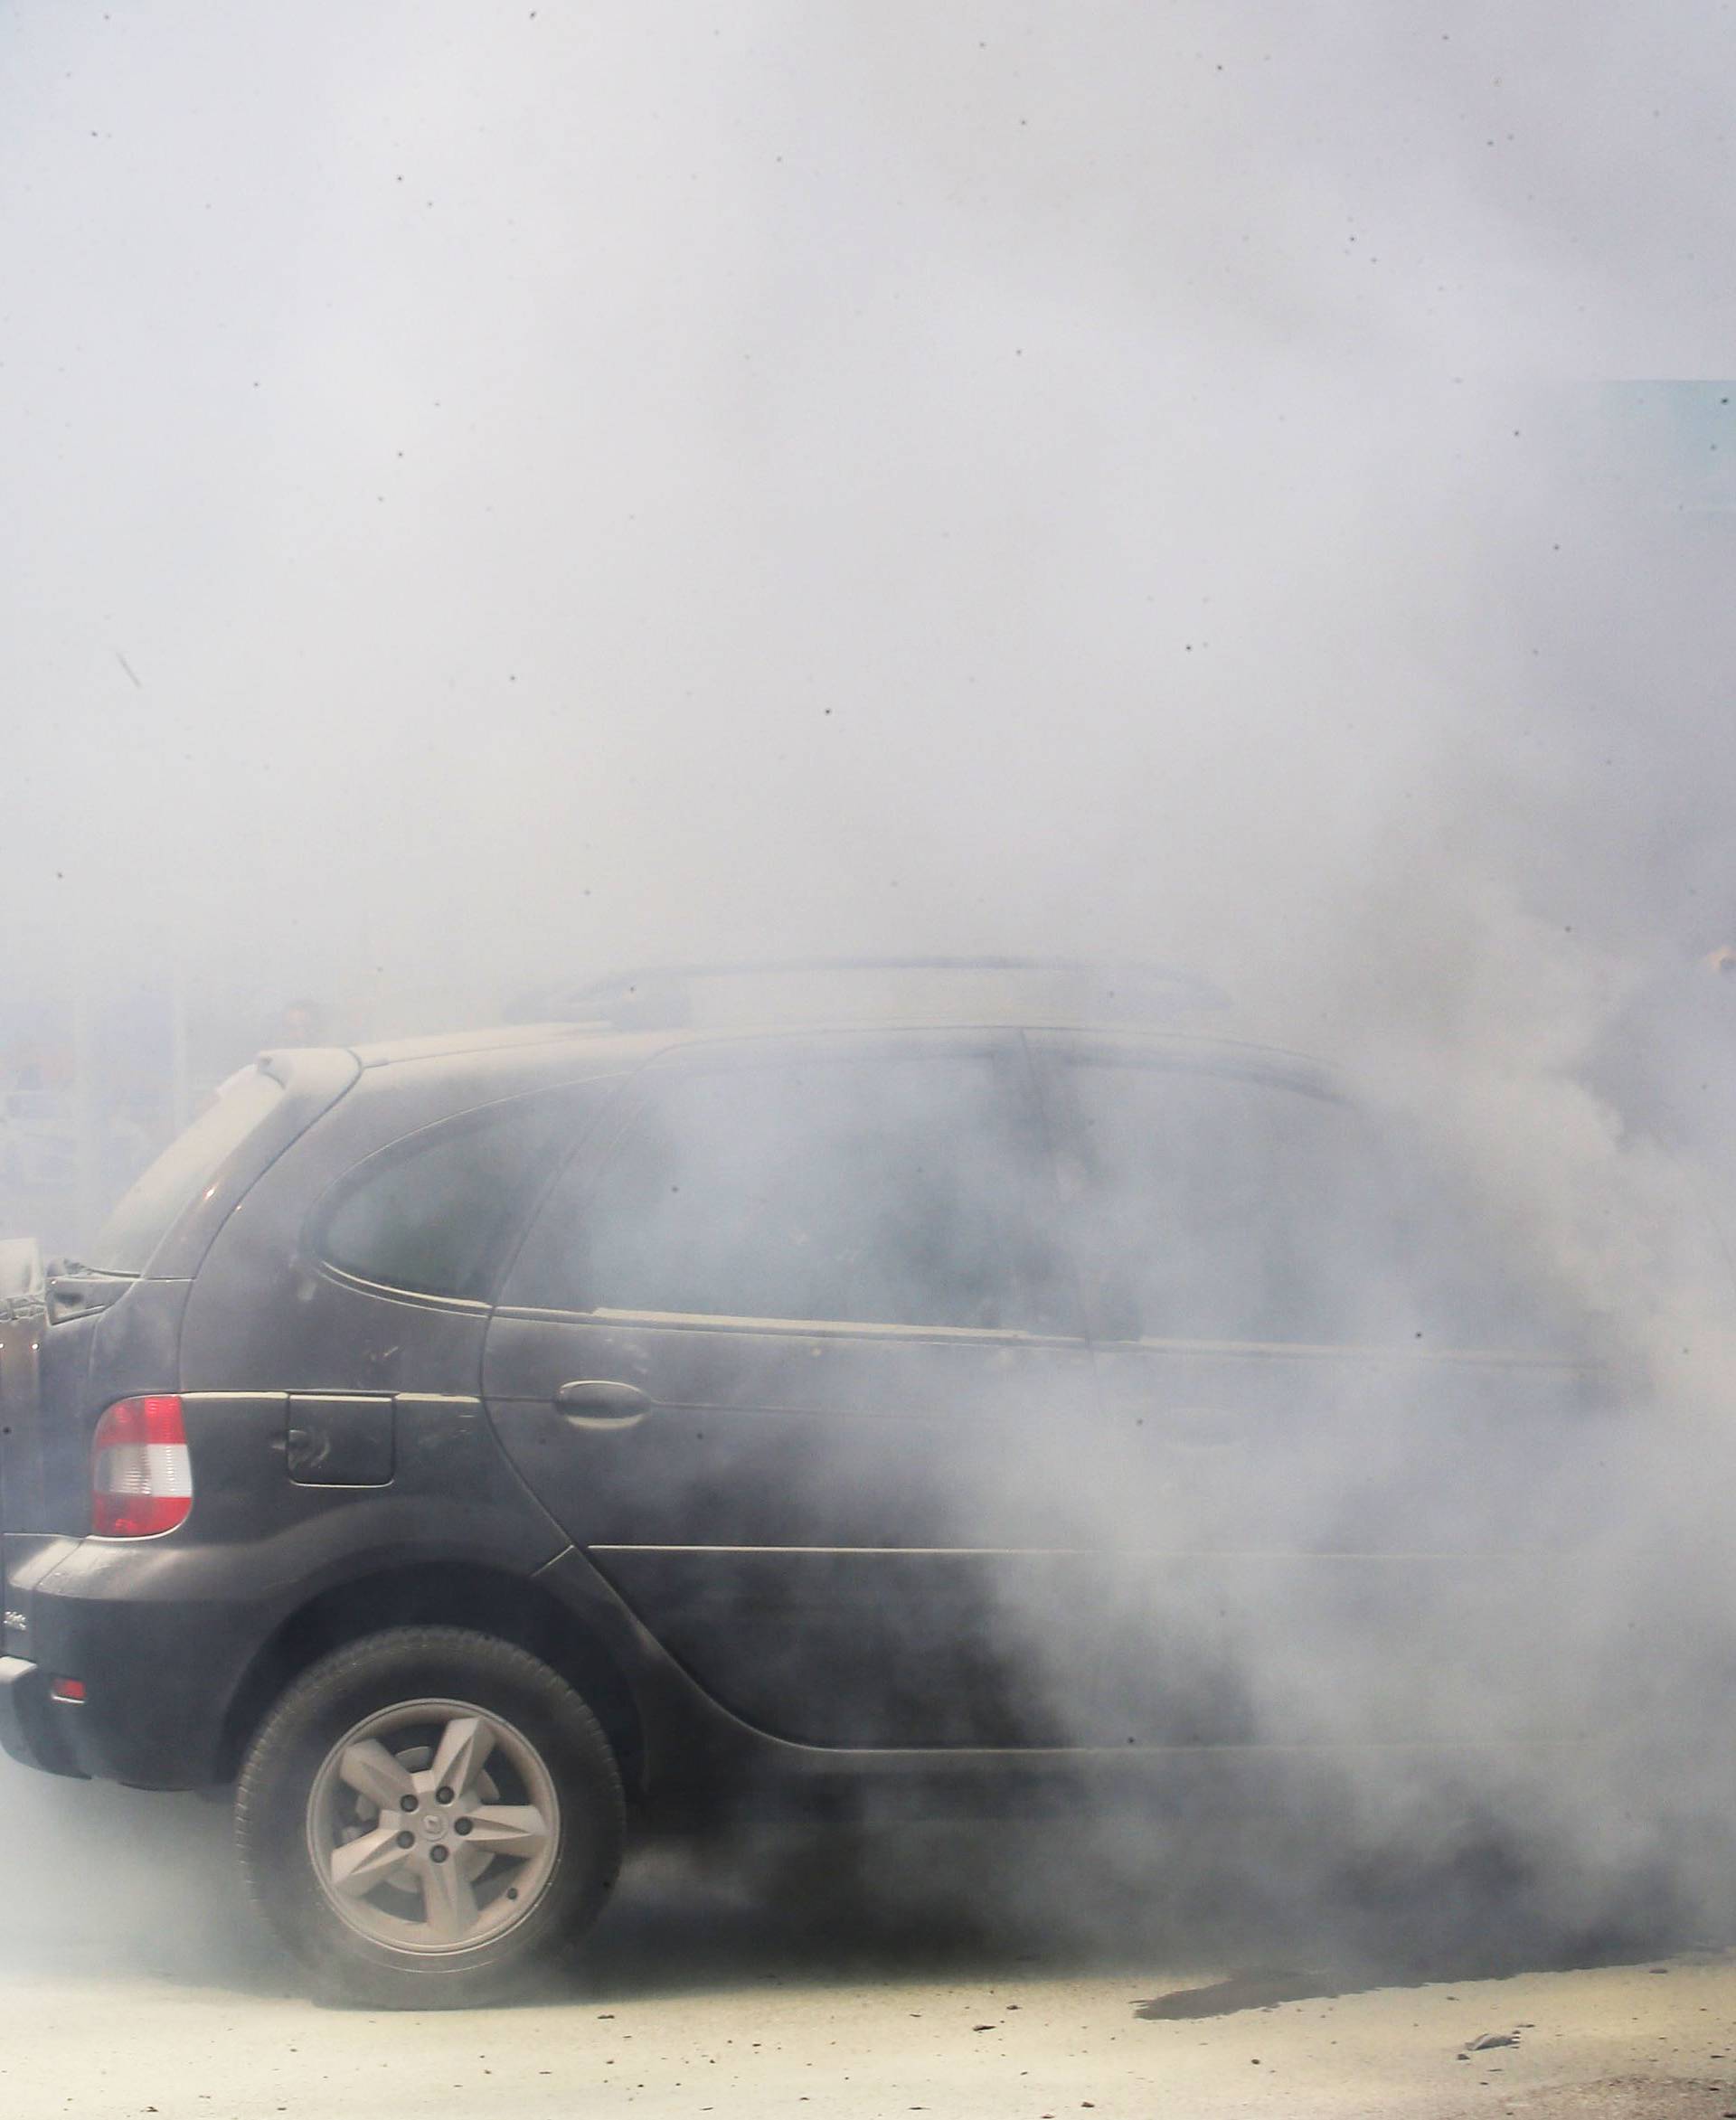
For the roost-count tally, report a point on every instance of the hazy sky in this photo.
(498, 489)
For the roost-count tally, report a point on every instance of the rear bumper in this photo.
(157, 1670)
(33, 1728)
(180, 1643)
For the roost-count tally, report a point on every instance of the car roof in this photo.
(566, 1049)
(619, 1023)
(564, 1040)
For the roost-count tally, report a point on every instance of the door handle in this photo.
(596, 1399)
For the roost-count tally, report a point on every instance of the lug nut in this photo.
(461, 1825)
(436, 1854)
(406, 1840)
(444, 1795)
(406, 1803)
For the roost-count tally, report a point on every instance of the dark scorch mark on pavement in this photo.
(1257, 1990)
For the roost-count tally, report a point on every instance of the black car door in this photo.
(786, 1352)
(1364, 1463)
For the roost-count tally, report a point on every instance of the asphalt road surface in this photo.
(882, 1977)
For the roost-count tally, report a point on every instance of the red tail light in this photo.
(141, 1476)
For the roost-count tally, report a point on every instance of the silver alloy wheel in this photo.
(433, 1827)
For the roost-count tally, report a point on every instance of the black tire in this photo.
(276, 1807)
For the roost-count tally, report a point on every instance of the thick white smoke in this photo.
(502, 492)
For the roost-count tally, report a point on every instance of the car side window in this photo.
(434, 1214)
(879, 1190)
(1219, 1205)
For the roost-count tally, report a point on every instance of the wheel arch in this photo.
(466, 1594)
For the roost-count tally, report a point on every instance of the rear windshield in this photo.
(152, 1206)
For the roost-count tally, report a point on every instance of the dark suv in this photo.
(461, 1445)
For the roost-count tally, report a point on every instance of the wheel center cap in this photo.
(433, 1825)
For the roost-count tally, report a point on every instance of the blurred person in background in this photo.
(300, 1023)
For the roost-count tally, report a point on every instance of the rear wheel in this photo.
(427, 1814)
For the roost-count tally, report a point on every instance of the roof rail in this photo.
(660, 997)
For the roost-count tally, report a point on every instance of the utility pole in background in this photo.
(180, 1087)
(87, 1115)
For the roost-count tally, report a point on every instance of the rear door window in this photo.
(890, 1191)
